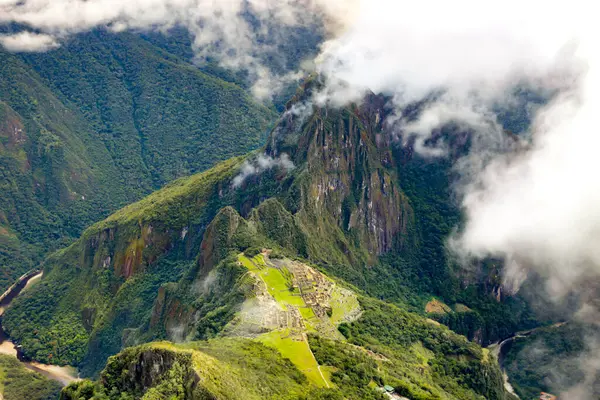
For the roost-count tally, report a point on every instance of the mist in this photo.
(537, 205)
(259, 165)
(239, 34)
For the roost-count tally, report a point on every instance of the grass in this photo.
(485, 355)
(423, 354)
(298, 352)
(223, 366)
(277, 284)
(436, 306)
(307, 313)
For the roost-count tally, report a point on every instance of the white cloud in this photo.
(413, 48)
(261, 164)
(537, 205)
(220, 29)
(28, 42)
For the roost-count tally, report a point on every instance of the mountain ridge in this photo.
(134, 277)
(97, 130)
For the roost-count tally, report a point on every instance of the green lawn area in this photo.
(277, 283)
(246, 262)
(327, 371)
(298, 352)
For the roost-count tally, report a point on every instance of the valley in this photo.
(63, 375)
(20, 377)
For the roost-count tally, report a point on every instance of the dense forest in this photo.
(98, 124)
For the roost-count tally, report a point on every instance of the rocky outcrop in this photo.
(219, 237)
(138, 371)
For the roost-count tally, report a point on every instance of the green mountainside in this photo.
(18, 382)
(332, 257)
(99, 123)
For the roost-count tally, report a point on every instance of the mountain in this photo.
(100, 123)
(317, 245)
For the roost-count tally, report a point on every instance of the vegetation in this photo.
(184, 263)
(99, 123)
(18, 382)
(198, 370)
(424, 360)
(299, 353)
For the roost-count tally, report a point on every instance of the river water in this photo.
(64, 375)
(499, 350)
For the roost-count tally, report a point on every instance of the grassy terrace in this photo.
(278, 281)
(298, 352)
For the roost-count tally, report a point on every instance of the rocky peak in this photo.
(347, 155)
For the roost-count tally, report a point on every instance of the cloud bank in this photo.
(240, 34)
(28, 42)
(536, 205)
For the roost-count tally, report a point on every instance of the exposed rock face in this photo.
(349, 175)
(218, 237)
(127, 251)
(12, 130)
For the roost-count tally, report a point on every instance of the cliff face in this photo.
(351, 177)
(136, 372)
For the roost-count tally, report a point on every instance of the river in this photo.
(64, 375)
(500, 349)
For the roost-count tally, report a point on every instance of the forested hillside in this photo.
(99, 123)
(18, 382)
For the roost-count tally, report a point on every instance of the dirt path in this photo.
(318, 366)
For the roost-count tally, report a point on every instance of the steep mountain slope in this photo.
(170, 266)
(18, 382)
(98, 124)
